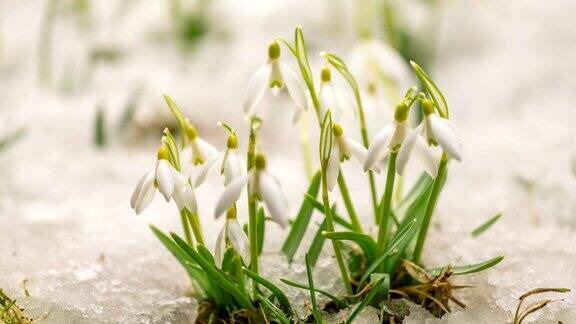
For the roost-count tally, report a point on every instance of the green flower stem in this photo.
(194, 222)
(252, 208)
(186, 227)
(430, 209)
(386, 203)
(348, 203)
(330, 227)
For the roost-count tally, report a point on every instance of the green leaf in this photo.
(214, 274)
(315, 311)
(302, 55)
(484, 227)
(341, 67)
(336, 300)
(405, 233)
(317, 243)
(320, 207)
(177, 113)
(378, 285)
(416, 211)
(472, 268)
(365, 242)
(300, 224)
(432, 90)
(275, 311)
(423, 183)
(280, 296)
(192, 270)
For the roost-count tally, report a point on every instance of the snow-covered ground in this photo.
(507, 69)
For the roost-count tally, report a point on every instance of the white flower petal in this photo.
(233, 166)
(164, 179)
(333, 167)
(230, 195)
(186, 156)
(256, 87)
(272, 195)
(220, 247)
(446, 135)
(146, 197)
(206, 168)
(426, 157)
(138, 189)
(379, 147)
(406, 149)
(297, 115)
(357, 150)
(205, 149)
(294, 86)
(400, 131)
(238, 239)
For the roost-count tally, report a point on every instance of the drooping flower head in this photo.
(433, 131)
(342, 149)
(232, 233)
(169, 181)
(275, 75)
(232, 164)
(333, 98)
(263, 185)
(388, 139)
(196, 152)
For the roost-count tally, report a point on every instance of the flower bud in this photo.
(163, 153)
(232, 142)
(260, 161)
(427, 107)
(337, 130)
(325, 74)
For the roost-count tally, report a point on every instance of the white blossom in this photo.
(433, 131)
(342, 149)
(196, 152)
(232, 232)
(170, 183)
(275, 75)
(262, 184)
(334, 98)
(387, 139)
(232, 164)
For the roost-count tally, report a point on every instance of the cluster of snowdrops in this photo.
(379, 271)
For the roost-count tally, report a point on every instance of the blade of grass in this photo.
(301, 222)
(317, 243)
(337, 218)
(367, 300)
(486, 225)
(214, 274)
(315, 311)
(275, 311)
(336, 300)
(277, 292)
(405, 233)
(472, 268)
(365, 242)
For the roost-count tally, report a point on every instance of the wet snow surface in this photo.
(507, 69)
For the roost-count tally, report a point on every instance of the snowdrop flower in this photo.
(232, 164)
(342, 149)
(233, 233)
(170, 183)
(275, 75)
(437, 131)
(388, 139)
(333, 100)
(196, 152)
(262, 184)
